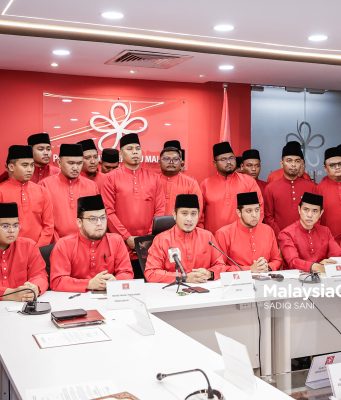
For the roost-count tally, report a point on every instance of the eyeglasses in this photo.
(93, 220)
(6, 227)
(174, 160)
(334, 165)
(226, 159)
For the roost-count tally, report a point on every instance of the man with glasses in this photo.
(283, 196)
(133, 195)
(173, 180)
(22, 266)
(330, 188)
(42, 153)
(88, 259)
(90, 162)
(220, 191)
(34, 203)
(305, 244)
(66, 187)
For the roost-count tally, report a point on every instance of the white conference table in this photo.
(131, 361)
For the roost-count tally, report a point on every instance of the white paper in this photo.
(334, 372)
(15, 308)
(119, 293)
(70, 337)
(79, 391)
(238, 367)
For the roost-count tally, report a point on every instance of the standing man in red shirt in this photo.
(34, 203)
(330, 189)
(220, 191)
(91, 162)
(86, 260)
(305, 244)
(22, 266)
(133, 195)
(66, 187)
(174, 182)
(283, 196)
(42, 153)
(251, 165)
(249, 242)
(110, 160)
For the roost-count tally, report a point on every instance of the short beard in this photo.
(95, 237)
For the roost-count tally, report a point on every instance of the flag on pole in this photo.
(225, 132)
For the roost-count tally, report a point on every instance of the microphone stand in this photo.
(32, 307)
(179, 280)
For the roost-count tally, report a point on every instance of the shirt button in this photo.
(294, 198)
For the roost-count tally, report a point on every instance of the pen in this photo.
(74, 295)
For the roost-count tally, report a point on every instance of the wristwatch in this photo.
(211, 278)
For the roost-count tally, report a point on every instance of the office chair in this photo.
(45, 252)
(142, 244)
(162, 223)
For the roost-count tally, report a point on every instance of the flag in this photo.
(225, 132)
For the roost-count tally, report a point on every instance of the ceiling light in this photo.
(57, 127)
(95, 112)
(67, 101)
(54, 65)
(168, 124)
(223, 28)
(132, 71)
(112, 15)
(61, 52)
(318, 38)
(201, 76)
(226, 67)
(73, 119)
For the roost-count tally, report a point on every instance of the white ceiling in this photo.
(286, 24)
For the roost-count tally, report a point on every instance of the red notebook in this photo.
(93, 317)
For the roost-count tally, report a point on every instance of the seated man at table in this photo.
(200, 261)
(87, 259)
(249, 242)
(305, 244)
(22, 266)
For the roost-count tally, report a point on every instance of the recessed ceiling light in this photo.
(57, 127)
(67, 101)
(201, 76)
(112, 15)
(54, 65)
(61, 52)
(73, 119)
(95, 112)
(318, 38)
(168, 124)
(132, 71)
(226, 67)
(224, 28)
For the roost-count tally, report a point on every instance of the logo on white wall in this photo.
(116, 126)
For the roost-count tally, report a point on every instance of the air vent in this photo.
(147, 59)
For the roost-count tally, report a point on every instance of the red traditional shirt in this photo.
(301, 247)
(75, 260)
(262, 185)
(245, 245)
(64, 193)
(220, 198)
(279, 173)
(195, 253)
(99, 178)
(34, 208)
(282, 198)
(22, 262)
(41, 173)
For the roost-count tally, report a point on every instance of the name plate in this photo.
(318, 375)
(120, 294)
(237, 284)
(333, 270)
(334, 372)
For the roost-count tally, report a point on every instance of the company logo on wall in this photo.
(309, 142)
(69, 119)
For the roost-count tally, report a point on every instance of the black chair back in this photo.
(142, 244)
(162, 223)
(45, 251)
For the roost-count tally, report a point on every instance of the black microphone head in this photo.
(160, 376)
(210, 243)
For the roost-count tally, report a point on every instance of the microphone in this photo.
(175, 256)
(224, 254)
(33, 307)
(211, 393)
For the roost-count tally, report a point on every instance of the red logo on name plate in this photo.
(338, 268)
(330, 360)
(236, 276)
(125, 286)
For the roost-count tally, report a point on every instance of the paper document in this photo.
(79, 391)
(70, 337)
